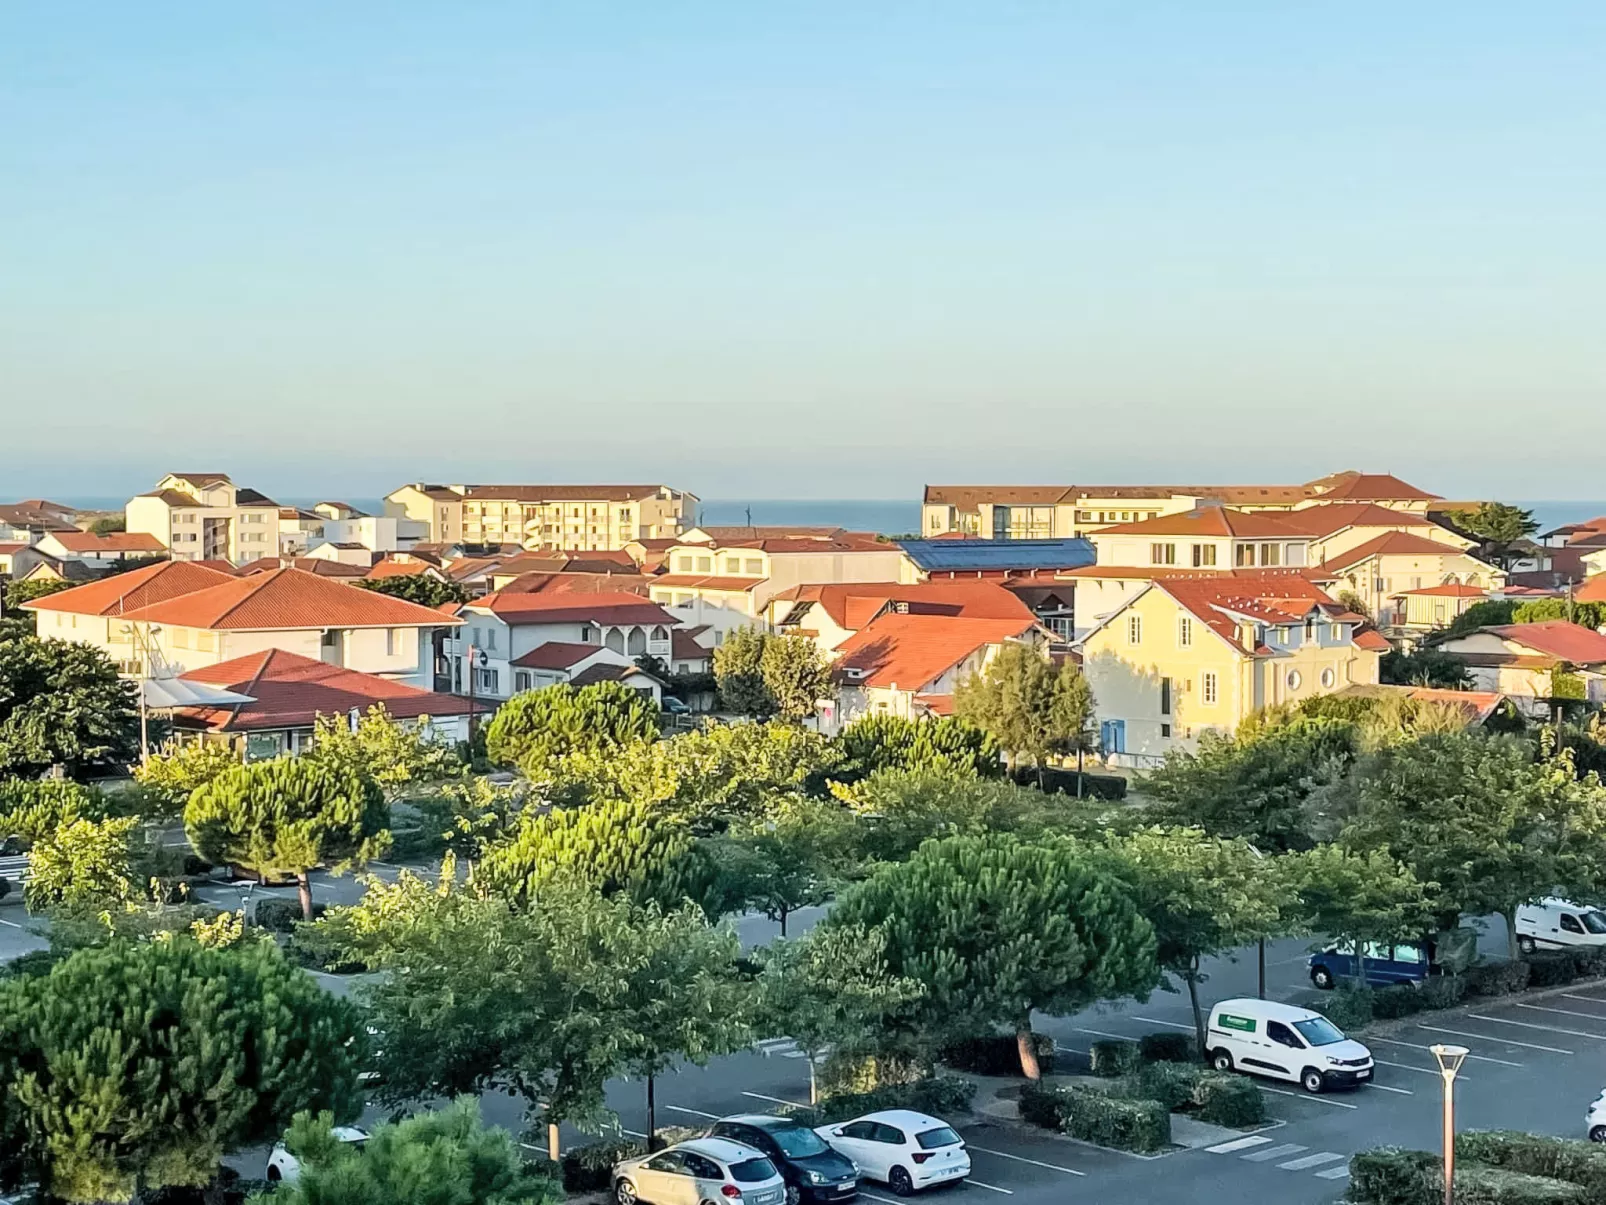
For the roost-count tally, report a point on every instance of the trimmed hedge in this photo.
(1220, 1099)
(1346, 1008)
(282, 916)
(1109, 787)
(1443, 991)
(1167, 1047)
(996, 1054)
(1400, 1000)
(1126, 1125)
(1571, 1159)
(1493, 1186)
(1496, 978)
(1390, 1176)
(1110, 1059)
(939, 1095)
(1492, 1168)
(1551, 968)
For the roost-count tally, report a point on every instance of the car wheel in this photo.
(1597, 1133)
(794, 1194)
(1221, 1061)
(1311, 1080)
(898, 1180)
(1526, 945)
(1322, 978)
(624, 1192)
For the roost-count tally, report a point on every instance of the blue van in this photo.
(1383, 964)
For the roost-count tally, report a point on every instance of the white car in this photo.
(1595, 1119)
(903, 1149)
(701, 1170)
(1555, 924)
(283, 1167)
(1262, 1037)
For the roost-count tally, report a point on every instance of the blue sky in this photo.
(801, 250)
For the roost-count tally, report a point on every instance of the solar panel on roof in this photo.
(943, 555)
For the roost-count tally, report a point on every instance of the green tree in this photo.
(470, 815)
(891, 742)
(995, 928)
(33, 810)
(832, 993)
(84, 864)
(287, 817)
(739, 673)
(1499, 526)
(440, 1157)
(1543, 610)
(17, 592)
(1033, 708)
(792, 860)
(795, 676)
(425, 589)
(107, 524)
(1425, 667)
(394, 755)
(533, 729)
(132, 1067)
(170, 777)
(1356, 897)
(1204, 895)
(62, 703)
(1490, 613)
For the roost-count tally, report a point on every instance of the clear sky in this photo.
(794, 250)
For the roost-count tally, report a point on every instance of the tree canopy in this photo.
(533, 729)
(764, 675)
(1425, 667)
(1499, 525)
(882, 741)
(62, 702)
(394, 755)
(1033, 708)
(425, 589)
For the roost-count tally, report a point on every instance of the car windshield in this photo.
(753, 1171)
(1595, 922)
(798, 1143)
(1319, 1031)
(930, 1140)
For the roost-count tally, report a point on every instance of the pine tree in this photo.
(533, 729)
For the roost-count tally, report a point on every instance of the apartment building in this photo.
(206, 517)
(572, 517)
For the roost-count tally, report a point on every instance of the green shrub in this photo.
(1390, 1176)
(196, 867)
(996, 1054)
(589, 1168)
(939, 1095)
(1443, 991)
(1552, 968)
(1399, 1001)
(1495, 1186)
(414, 843)
(1040, 1106)
(1167, 1047)
(1228, 1100)
(282, 916)
(5, 886)
(1570, 1159)
(1109, 787)
(1591, 961)
(1496, 978)
(1112, 1058)
(1171, 1084)
(1346, 1009)
(1126, 1125)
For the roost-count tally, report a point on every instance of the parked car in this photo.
(905, 1150)
(1384, 964)
(674, 706)
(1259, 1037)
(1555, 924)
(1595, 1119)
(813, 1172)
(285, 1167)
(701, 1170)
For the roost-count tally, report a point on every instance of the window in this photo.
(683, 564)
(1319, 1031)
(1569, 924)
(660, 634)
(1271, 554)
(1329, 678)
(1338, 631)
(588, 634)
(705, 564)
(1310, 627)
(521, 679)
(490, 637)
(1243, 555)
(1282, 1035)
(488, 679)
(1165, 696)
(1184, 631)
(181, 638)
(1162, 554)
(1294, 679)
(1296, 554)
(390, 642)
(1204, 555)
(1165, 730)
(328, 638)
(204, 642)
(733, 564)
(755, 565)
(1134, 629)
(1209, 686)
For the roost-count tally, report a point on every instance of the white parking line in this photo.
(693, 1112)
(1408, 1067)
(1565, 1012)
(13, 924)
(1070, 1171)
(1008, 1192)
(1585, 999)
(1571, 1033)
(1482, 1058)
(632, 1133)
(1386, 1088)
(885, 1200)
(1238, 1144)
(776, 1100)
(1157, 1021)
(1099, 1033)
(1486, 1037)
(1320, 1100)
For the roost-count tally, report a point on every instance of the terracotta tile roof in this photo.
(840, 541)
(684, 646)
(1556, 638)
(1372, 641)
(390, 567)
(607, 672)
(853, 605)
(201, 478)
(1593, 589)
(770, 531)
(10, 548)
(967, 497)
(610, 609)
(1330, 517)
(1272, 600)
(174, 497)
(561, 493)
(1363, 487)
(557, 654)
(245, 496)
(112, 541)
(937, 704)
(128, 592)
(576, 583)
(287, 599)
(912, 651)
(1391, 543)
(322, 566)
(1447, 590)
(225, 567)
(464, 568)
(291, 691)
(1210, 520)
(689, 581)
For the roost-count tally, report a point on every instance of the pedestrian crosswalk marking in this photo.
(1237, 1144)
(1336, 1173)
(1276, 1152)
(1316, 1160)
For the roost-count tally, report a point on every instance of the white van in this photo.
(1260, 1037)
(1553, 923)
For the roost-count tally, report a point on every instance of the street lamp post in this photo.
(1450, 1059)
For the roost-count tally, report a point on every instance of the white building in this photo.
(206, 517)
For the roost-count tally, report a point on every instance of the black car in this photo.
(812, 1170)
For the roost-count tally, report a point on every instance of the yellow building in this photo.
(588, 518)
(1184, 655)
(1392, 564)
(206, 517)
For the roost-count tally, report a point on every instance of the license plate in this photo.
(766, 1198)
(1363, 1074)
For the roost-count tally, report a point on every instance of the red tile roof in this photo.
(1447, 590)
(390, 567)
(576, 583)
(1210, 520)
(561, 493)
(853, 605)
(173, 497)
(605, 671)
(912, 651)
(609, 609)
(1372, 641)
(112, 541)
(937, 704)
(1593, 589)
(6, 549)
(1364, 487)
(1391, 543)
(288, 599)
(124, 593)
(684, 646)
(1330, 517)
(1556, 638)
(1273, 600)
(696, 581)
(841, 541)
(770, 531)
(557, 654)
(322, 566)
(291, 691)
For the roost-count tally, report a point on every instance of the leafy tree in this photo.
(394, 755)
(832, 993)
(1477, 816)
(471, 815)
(1425, 667)
(1542, 610)
(425, 589)
(1487, 614)
(1352, 601)
(1499, 526)
(795, 676)
(1204, 895)
(18, 592)
(288, 816)
(1034, 708)
(32, 810)
(995, 928)
(441, 1157)
(83, 864)
(1356, 897)
(790, 861)
(136, 1066)
(107, 524)
(739, 673)
(618, 847)
(533, 729)
(62, 703)
(170, 777)
(891, 742)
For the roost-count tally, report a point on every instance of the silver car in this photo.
(703, 1171)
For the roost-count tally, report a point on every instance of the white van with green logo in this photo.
(1260, 1037)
